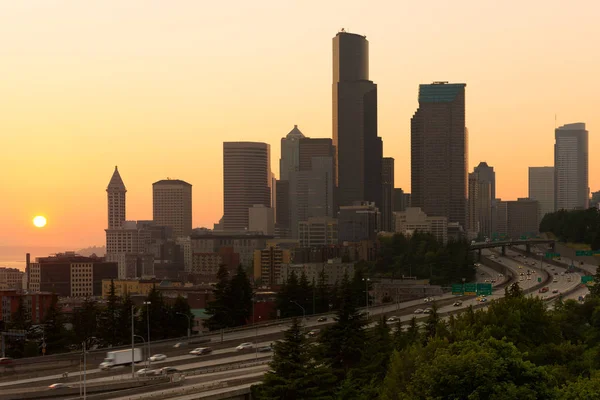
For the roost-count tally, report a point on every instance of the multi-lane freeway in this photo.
(224, 352)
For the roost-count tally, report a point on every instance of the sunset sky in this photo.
(156, 86)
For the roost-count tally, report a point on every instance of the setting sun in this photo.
(39, 221)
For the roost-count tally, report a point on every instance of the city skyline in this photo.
(60, 145)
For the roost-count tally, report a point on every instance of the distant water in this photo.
(14, 256)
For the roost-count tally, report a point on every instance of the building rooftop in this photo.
(439, 92)
(295, 133)
(572, 127)
(169, 181)
(116, 183)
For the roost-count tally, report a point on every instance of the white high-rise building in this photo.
(172, 206)
(571, 167)
(261, 219)
(541, 188)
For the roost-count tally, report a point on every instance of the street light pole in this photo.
(303, 310)
(84, 373)
(147, 304)
(132, 346)
(367, 293)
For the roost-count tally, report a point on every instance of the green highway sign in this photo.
(583, 253)
(587, 279)
(552, 255)
(470, 289)
(457, 289)
(484, 288)
(539, 279)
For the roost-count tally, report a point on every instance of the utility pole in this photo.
(84, 373)
(132, 346)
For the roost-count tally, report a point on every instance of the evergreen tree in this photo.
(240, 301)
(182, 315)
(294, 374)
(342, 344)
(305, 293)
(85, 323)
(219, 309)
(322, 293)
(157, 315)
(124, 320)
(55, 335)
(109, 328)
(20, 318)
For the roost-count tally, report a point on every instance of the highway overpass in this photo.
(503, 244)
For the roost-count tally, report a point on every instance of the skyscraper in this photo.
(172, 206)
(439, 152)
(116, 201)
(290, 153)
(358, 148)
(312, 186)
(487, 174)
(387, 196)
(246, 173)
(541, 188)
(480, 206)
(571, 167)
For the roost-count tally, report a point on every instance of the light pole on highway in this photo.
(132, 345)
(366, 280)
(147, 304)
(189, 319)
(84, 372)
(256, 339)
(303, 310)
(133, 357)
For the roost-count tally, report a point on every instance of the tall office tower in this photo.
(439, 152)
(359, 150)
(522, 218)
(312, 186)
(282, 209)
(172, 206)
(571, 167)
(541, 188)
(401, 200)
(387, 195)
(487, 174)
(246, 173)
(480, 206)
(290, 153)
(116, 201)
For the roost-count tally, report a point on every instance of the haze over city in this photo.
(156, 89)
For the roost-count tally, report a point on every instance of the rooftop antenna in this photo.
(342, 30)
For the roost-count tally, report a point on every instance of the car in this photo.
(393, 319)
(555, 291)
(168, 371)
(428, 311)
(482, 300)
(556, 273)
(418, 311)
(483, 273)
(554, 280)
(322, 319)
(313, 332)
(179, 344)
(158, 357)
(244, 346)
(487, 281)
(457, 303)
(265, 349)
(529, 278)
(55, 386)
(521, 279)
(428, 299)
(201, 351)
(6, 360)
(147, 372)
(336, 319)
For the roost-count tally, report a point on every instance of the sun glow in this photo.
(39, 221)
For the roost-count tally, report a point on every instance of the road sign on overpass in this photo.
(552, 255)
(458, 289)
(587, 280)
(470, 289)
(583, 253)
(484, 288)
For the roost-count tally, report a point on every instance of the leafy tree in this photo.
(580, 389)
(294, 374)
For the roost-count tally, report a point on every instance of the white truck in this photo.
(121, 357)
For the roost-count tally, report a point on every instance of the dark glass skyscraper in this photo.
(358, 148)
(439, 152)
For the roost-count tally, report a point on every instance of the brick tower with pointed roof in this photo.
(116, 201)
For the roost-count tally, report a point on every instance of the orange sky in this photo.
(155, 87)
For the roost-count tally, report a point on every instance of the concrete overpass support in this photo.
(479, 255)
(503, 250)
(528, 249)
